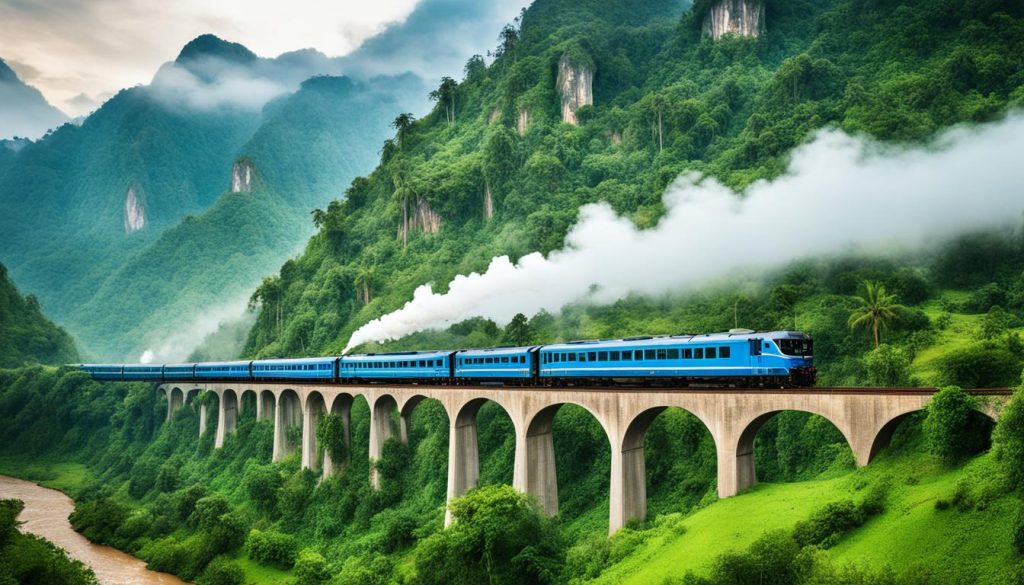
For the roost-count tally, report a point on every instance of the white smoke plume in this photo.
(839, 192)
(177, 343)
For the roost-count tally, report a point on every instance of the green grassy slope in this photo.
(952, 546)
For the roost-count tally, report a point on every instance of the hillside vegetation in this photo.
(64, 235)
(665, 100)
(26, 335)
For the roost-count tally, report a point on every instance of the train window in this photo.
(711, 353)
(662, 354)
(627, 356)
(698, 353)
(638, 355)
(613, 356)
(673, 354)
(504, 359)
(572, 357)
(602, 356)
(488, 360)
(649, 354)
(592, 356)
(724, 352)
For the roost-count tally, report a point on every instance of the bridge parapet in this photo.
(865, 417)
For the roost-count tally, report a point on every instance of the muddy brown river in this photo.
(46, 514)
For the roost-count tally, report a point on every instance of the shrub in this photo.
(271, 547)
(310, 568)
(262, 483)
(1008, 440)
(499, 536)
(330, 433)
(99, 521)
(951, 426)
(888, 366)
(167, 478)
(396, 529)
(375, 569)
(208, 511)
(143, 478)
(221, 571)
(980, 366)
(827, 525)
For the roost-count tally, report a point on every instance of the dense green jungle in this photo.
(494, 170)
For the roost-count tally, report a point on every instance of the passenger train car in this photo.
(735, 358)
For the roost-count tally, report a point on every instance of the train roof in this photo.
(686, 338)
(305, 360)
(233, 363)
(493, 350)
(397, 355)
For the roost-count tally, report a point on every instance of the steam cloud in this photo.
(840, 192)
(177, 343)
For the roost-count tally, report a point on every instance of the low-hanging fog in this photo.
(839, 193)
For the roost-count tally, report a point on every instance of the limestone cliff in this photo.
(575, 85)
(241, 176)
(488, 201)
(522, 121)
(745, 18)
(418, 216)
(424, 218)
(134, 213)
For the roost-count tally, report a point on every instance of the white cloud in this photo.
(840, 193)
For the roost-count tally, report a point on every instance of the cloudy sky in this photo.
(80, 52)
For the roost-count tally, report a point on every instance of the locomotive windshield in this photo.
(798, 347)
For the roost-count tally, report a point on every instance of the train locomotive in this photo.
(737, 358)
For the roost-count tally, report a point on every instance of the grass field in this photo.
(65, 476)
(955, 545)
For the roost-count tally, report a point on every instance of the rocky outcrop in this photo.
(488, 201)
(241, 176)
(575, 85)
(745, 18)
(134, 213)
(424, 218)
(522, 121)
(419, 216)
(495, 116)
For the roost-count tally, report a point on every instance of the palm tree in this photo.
(403, 124)
(877, 309)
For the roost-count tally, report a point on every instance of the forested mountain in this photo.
(26, 335)
(87, 206)
(24, 112)
(308, 147)
(600, 101)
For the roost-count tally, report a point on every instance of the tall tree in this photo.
(877, 309)
(403, 124)
(518, 330)
(445, 95)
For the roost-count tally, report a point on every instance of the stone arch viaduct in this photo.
(866, 417)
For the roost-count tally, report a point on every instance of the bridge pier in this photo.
(342, 406)
(175, 400)
(202, 418)
(314, 409)
(538, 467)
(288, 413)
(463, 453)
(381, 430)
(227, 417)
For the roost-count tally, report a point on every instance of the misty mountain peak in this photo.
(205, 46)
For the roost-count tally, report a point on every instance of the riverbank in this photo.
(46, 515)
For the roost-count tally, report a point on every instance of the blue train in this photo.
(738, 358)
